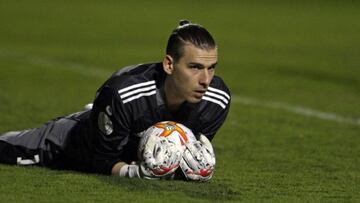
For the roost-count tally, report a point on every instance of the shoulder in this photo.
(213, 108)
(136, 69)
(218, 83)
(136, 90)
(135, 81)
(130, 75)
(217, 94)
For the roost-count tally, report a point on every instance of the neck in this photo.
(173, 102)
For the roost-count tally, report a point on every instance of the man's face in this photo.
(192, 73)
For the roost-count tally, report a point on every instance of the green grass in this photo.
(55, 54)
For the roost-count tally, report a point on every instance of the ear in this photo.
(168, 64)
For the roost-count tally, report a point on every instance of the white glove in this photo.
(159, 157)
(198, 161)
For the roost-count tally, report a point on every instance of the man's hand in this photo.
(159, 158)
(198, 161)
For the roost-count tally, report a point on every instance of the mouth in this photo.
(199, 93)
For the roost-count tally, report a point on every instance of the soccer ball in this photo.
(175, 132)
(161, 148)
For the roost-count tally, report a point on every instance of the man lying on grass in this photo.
(105, 137)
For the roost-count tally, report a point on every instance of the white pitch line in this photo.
(48, 62)
(99, 72)
(300, 110)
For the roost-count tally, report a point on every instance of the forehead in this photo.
(195, 54)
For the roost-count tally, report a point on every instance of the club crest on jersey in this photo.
(104, 123)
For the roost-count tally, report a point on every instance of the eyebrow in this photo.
(201, 65)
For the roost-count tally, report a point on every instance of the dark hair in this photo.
(188, 32)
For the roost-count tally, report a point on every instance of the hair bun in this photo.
(184, 22)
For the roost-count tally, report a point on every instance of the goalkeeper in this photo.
(104, 139)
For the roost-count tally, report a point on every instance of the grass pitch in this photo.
(292, 134)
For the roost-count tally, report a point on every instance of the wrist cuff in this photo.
(130, 171)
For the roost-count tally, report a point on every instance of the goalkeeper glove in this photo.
(159, 158)
(198, 161)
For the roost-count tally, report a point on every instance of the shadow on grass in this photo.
(212, 190)
(218, 190)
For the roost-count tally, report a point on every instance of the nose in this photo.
(205, 78)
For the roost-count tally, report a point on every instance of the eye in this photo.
(195, 66)
(211, 68)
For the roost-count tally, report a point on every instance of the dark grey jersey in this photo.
(132, 100)
(126, 105)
